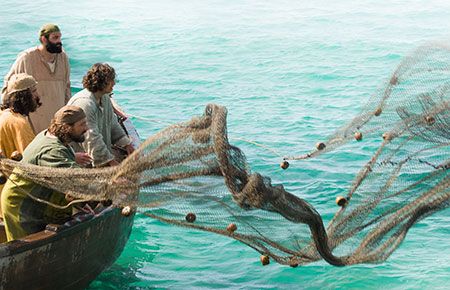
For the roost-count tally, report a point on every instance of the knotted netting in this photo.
(190, 175)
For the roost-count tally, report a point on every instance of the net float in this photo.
(191, 217)
(231, 228)
(265, 260)
(126, 211)
(320, 146)
(341, 201)
(358, 136)
(378, 112)
(284, 165)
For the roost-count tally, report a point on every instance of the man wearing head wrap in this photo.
(24, 215)
(15, 130)
(49, 65)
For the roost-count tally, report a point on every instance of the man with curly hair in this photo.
(21, 100)
(49, 65)
(22, 214)
(15, 129)
(104, 128)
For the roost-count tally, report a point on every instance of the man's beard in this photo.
(77, 138)
(36, 103)
(54, 47)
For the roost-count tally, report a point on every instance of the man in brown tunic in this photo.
(49, 65)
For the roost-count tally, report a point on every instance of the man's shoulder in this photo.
(83, 97)
(7, 118)
(33, 149)
(37, 142)
(84, 93)
(30, 52)
(63, 56)
(34, 52)
(43, 144)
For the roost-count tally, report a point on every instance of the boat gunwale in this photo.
(48, 236)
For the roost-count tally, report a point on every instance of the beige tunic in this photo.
(53, 87)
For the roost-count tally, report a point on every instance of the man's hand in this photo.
(129, 148)
(83, 158)
(113, 163)
(69, 198)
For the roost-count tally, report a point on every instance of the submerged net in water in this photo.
(184, 176)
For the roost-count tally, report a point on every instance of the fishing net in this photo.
(184, 176)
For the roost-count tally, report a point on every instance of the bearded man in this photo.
(22, 214)
(22, 99)
(49, 65)
(15, 130)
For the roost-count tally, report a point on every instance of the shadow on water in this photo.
(118, 277)
(126, 272)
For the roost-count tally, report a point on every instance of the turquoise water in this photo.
(290, 72)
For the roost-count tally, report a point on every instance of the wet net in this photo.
(191, 176)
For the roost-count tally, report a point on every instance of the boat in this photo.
(72, 255)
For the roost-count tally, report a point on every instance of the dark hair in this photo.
(98, 77)
(21, 102)
(62, 131)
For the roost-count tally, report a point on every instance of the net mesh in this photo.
(184, 175)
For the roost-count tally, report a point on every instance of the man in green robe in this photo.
(22, 214)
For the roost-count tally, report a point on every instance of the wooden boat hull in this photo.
(72, 255)
(65, 257)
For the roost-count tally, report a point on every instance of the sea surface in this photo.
(290, 73)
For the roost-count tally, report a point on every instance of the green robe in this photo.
(21, 214)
